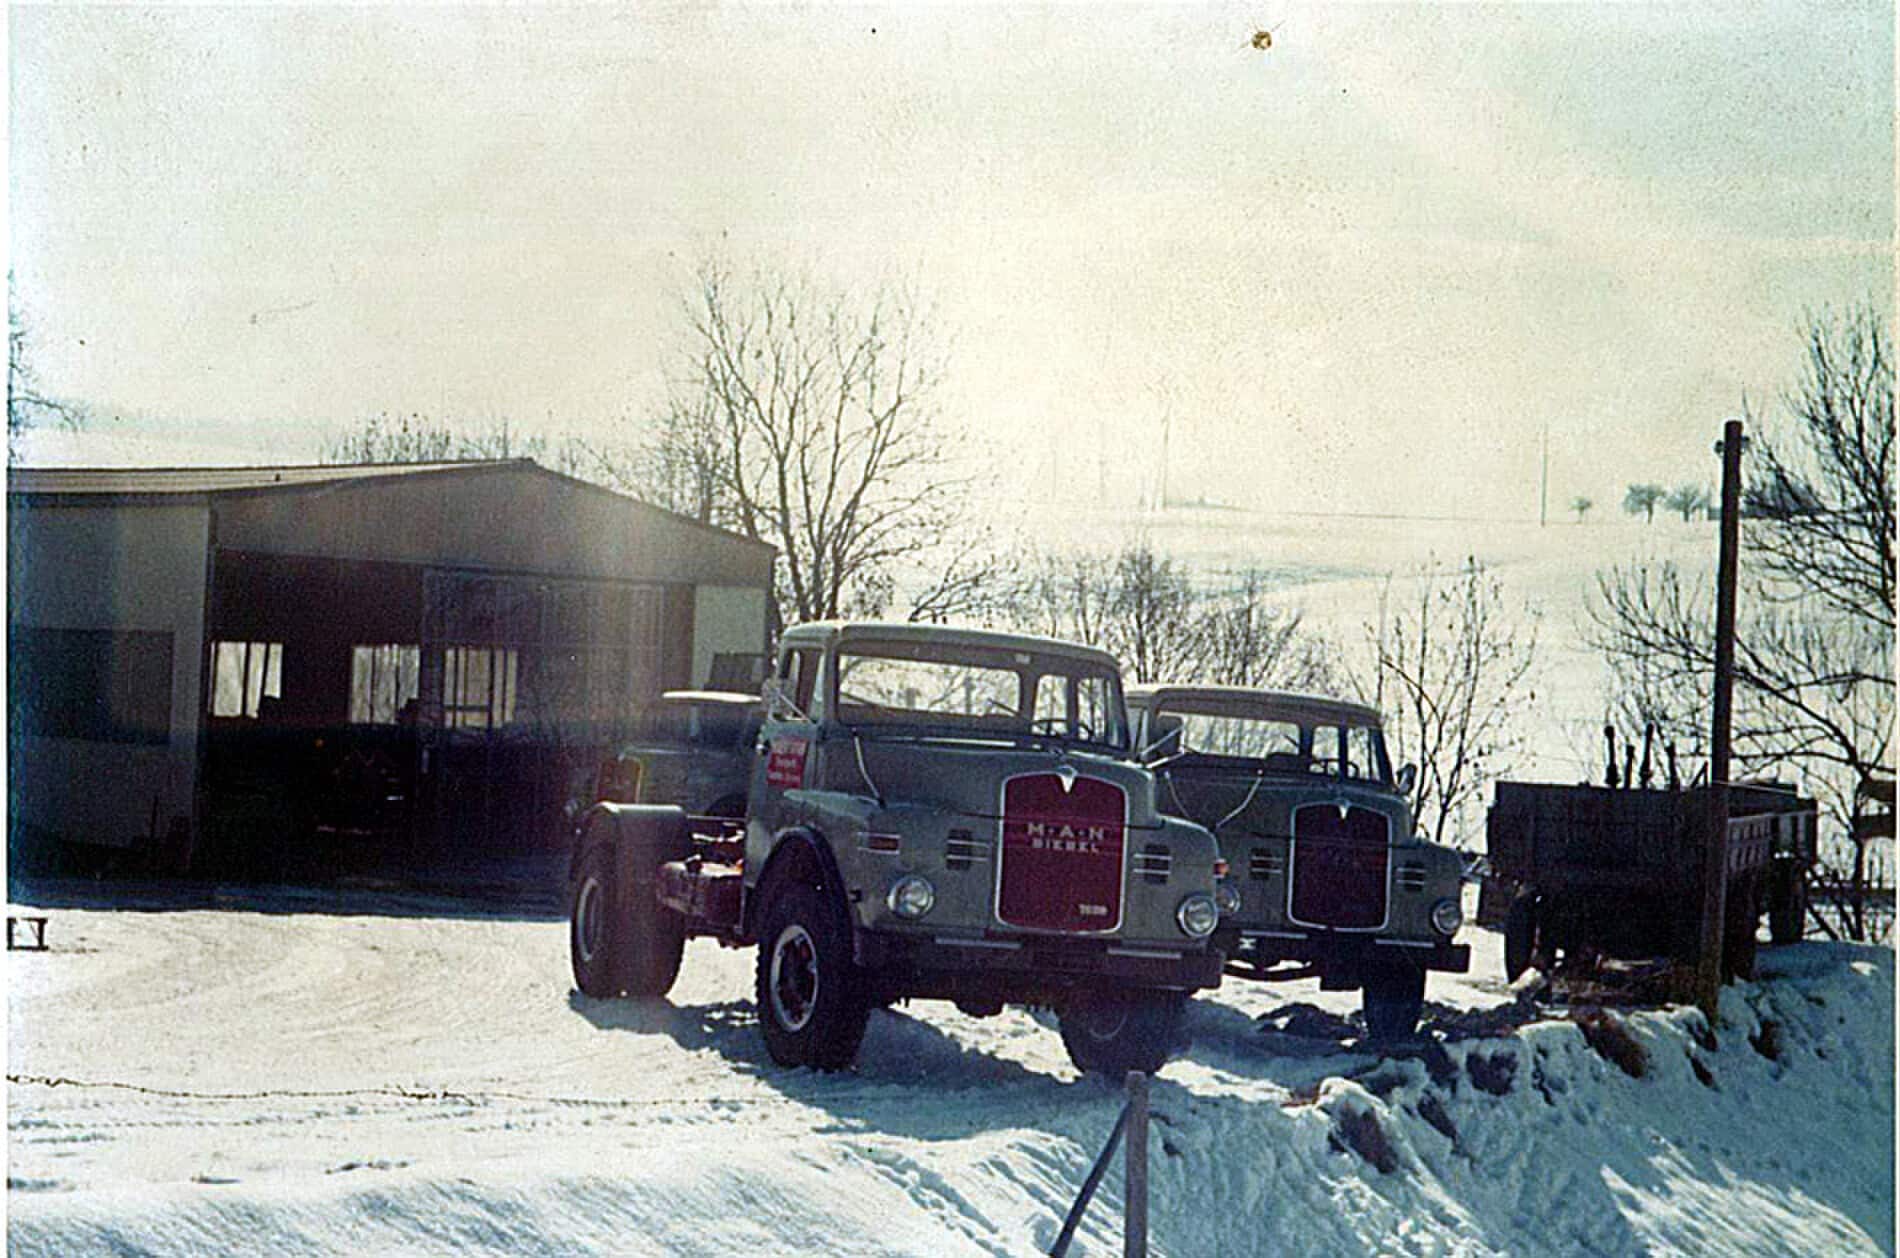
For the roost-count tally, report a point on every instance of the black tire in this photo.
(810, 1000)
(1115, 1032)
(1739, 927)
(622, 940)
(1788, 904)
(596, 930)
(1520, 934)
(1392, 1001)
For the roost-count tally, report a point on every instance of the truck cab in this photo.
(1327, 877)
(690, 747)
(951, 814)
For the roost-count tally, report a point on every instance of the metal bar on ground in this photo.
(1069, 1224)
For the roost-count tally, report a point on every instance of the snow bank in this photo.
(300, 1083)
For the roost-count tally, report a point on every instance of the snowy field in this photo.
(1335, 569)
(297, 1072)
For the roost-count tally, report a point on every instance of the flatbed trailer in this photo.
(1617, 872)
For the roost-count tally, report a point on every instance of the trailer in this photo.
(1617, 872)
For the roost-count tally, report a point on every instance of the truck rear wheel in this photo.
(811, 1004)
(1113, 1033)
(622, 940)
(595, 930)
(1394, 997)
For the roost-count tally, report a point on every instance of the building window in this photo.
(478, 686)
(383, 682)
(243, 675)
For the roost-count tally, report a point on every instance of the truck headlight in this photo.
(1447, 917)
(1226, 898)
(1198, 915)
(911, 896)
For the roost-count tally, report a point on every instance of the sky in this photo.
(1367, 268)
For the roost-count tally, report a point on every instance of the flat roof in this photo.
(1246, 700)
(217, 480)
(108, 484)
(904, 631)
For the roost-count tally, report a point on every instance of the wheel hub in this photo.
(794, 977)
(588, 924)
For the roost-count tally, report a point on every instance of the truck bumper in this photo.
(1339, 951)
(1027, 970)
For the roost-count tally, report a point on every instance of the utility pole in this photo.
(1715, 847)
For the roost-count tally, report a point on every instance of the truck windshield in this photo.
(980, 692)
(1279, 746)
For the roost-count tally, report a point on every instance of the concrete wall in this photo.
(726, 619)
(116, 568)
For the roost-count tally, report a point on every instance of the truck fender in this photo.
(797, 854)
(641, 837)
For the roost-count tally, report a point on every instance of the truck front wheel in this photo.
(811, 1005)
(1113, 1033)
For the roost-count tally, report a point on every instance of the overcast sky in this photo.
(1369, 264)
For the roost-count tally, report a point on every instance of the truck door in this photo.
(784, 750)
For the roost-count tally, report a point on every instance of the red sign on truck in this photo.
(785, 762)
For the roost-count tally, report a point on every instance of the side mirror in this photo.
(1408, 777)
(778, 700)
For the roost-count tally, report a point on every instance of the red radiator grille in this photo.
(1061, 864)
(1339, 867)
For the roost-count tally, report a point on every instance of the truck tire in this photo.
(1520, 934)
(1788, 903)
(1393, 998)
(595, 929)
(811, 1004)
(1741, 921)
(1113, 1033)
(622, 940)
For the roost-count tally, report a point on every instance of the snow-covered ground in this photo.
(327, 1072)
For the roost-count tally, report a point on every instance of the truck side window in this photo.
(799, 671)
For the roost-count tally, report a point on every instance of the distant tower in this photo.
(1543, 488)
(1161, 480)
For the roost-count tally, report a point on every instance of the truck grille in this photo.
(1060, 866)
(962, 849)
(1265, 863)
(1338, 867)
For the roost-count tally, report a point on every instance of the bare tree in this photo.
(417, 438)
(1686, 500)
(1641, 500)
(1450, 668)
(1146, 609)
(1814, 644)
(1581, 505)
(28, 406)
(806, 421)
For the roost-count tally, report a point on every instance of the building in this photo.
(299, 669)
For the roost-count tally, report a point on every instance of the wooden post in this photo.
(1715, 838)
(1135, 1162)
